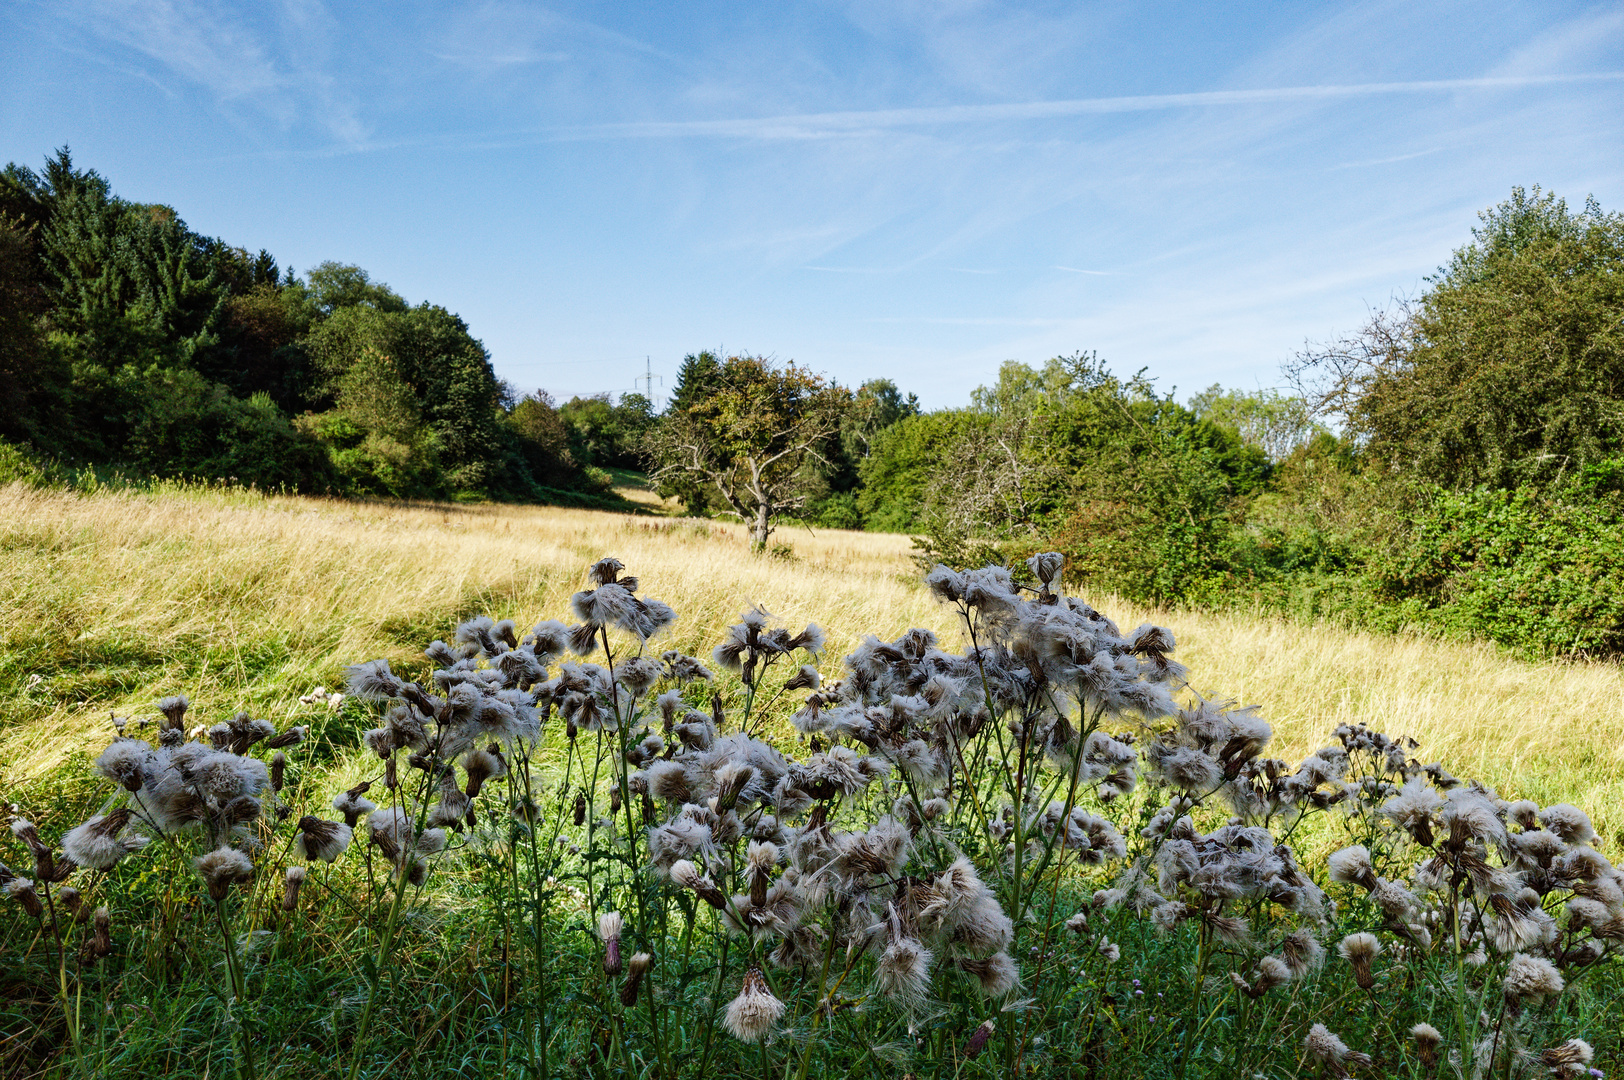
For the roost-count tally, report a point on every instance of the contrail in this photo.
(829, 123)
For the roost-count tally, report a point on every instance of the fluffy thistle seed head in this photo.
(322, 840)
(610, 925)
(174, 711)
(1531, 979)
(101, 941)
(751, 1015)
(1569, 1058)
(125, 762)
(995, 976)
(1359, 950)
(1324, 1047)
(353, 804)
(903, 972)
(1353, 866)
(97, 845)
(291, 884)
(636, 968)
(221, 869)
(1569, 822)
(1427, 1040)
(22, 890)
(1302, 952)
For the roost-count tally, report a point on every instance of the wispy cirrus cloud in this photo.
(827, 124)
(284, 75)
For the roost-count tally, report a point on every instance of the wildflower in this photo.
(125, 762)
(1427, 1040)
(101, 939)
(352, 804)
(978, 1039)
(1331, 1052)
(1046, 568)
(636, 969)
(669, 781)
(1186, 768)
(760, 858)
(1396, 902)
(995, 976)
(97, 845)
(290, 888)
(1471, 816)
(174, 710)
(687, 875)
(1569, 1059)
(452, 808)
(1520, 922)
(638, 673)
(682, 838)
(319, 839)
(293, 736)
(1359, 950)
(811, 639)
(967, 911)
(222, 868)
(903, 972)
(1531, 979)
(21, 889)
(1271, 972)
(549, 639)
(752, 1014)
(482, 765)
(1569, 822)
(1352, 865)
(685, 669)
(805, 678)
(945, 584)
(610, 924)
(373, 681)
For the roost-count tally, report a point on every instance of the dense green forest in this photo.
(132, 345)
(1456, 464)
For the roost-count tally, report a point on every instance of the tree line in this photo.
(132, 344)
(1456, 463)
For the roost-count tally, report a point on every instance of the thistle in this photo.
(291, 883)
(752, 1014)
(636, 969)
(609, 927)
(221, 869)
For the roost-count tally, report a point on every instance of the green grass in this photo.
(246, 602)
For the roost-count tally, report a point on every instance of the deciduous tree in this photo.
(748, 437)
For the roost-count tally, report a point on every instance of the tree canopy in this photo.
(1508, 369)
(747, 435)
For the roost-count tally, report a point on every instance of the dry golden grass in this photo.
(112, 600)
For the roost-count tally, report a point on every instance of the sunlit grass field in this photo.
(114, 599)
(111, 600)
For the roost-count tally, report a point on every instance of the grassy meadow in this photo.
(245, 601)
(114, 599)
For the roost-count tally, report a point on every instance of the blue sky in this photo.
(917, 191)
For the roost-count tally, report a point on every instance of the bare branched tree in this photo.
(1336, 377)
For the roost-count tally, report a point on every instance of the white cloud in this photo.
(284, 76)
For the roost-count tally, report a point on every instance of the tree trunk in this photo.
(761, 528)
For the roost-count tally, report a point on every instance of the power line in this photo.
(648, 378)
